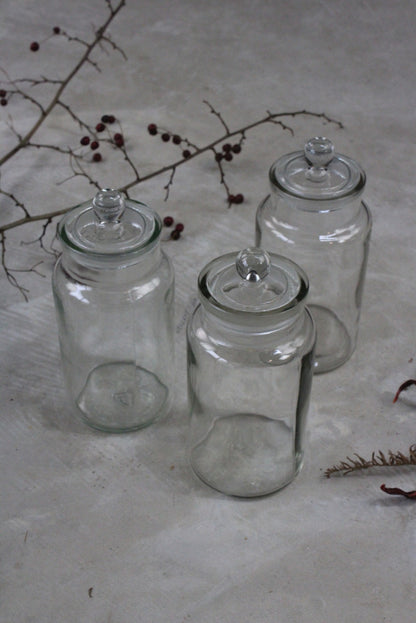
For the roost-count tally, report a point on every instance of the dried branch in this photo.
(80, 164)
(45, 111)
(378, 459)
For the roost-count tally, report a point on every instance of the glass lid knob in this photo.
(253, 264)
(108, 205)
(319, 151)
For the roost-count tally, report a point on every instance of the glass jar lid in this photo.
(317, 173)
(110, 226)
(252, 283)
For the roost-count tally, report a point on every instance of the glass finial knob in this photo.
(108, 205)
(319, 151)
(253, 264)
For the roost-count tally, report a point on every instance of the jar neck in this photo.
(244, 327)
(117, 269)
(313, 214)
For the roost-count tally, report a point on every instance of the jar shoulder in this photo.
(288, 222)
(208, 337)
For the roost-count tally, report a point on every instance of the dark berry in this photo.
(176, 139)
(56, 30)
(34, 46)
(94, 145)
(3, 101)
(97, 157)
(105, 118)
(152, 129)
(231, 198)
(119, 140)
(111, 118)
(85, 140)
(165, 137)
(227, 147)
(180, 227)
(228, 156)
(186, 153)
(168, 221)
(236, 148)
(239, 198)
(3, 93)
(175, 234)
(218, 157)
(100, 127)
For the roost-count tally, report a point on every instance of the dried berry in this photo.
(111, 118)
(3, 101)
(239, 198)
(97, 157)
(165, 137)
(34, 46)
(152, 129)
(85, 140)
(180, 227)
(3, 93)
(175, 234)
(105, 118)
(228, 156)
(218, 157)
(119, 139)
(100, 127)
(236, 148)
(186, 153)
(94, 145)
(56, 30)
(176, 139)
(227, 147)
(168, 221)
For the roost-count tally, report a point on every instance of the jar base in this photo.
(246, 455)
(121, 397)
(333, 343)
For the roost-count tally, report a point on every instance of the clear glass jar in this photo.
(315, 216)
(113, 290)
(250, 365)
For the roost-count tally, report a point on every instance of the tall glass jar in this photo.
(250, 362)
(315, 216)
(113, 290)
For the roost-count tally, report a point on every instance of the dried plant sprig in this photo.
(403, 387)
(378, 459)
(397, 491)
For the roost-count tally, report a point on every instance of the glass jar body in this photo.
(330, 241)
(116, 337)
(249, 395)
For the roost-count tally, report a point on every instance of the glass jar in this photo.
(315, 216)
(250, 364)
(113, 290)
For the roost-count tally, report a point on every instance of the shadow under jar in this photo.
(113, 290)
(315, 216)
(250, 363)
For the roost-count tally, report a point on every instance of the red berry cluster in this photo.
(175, 234)
(118, 138)
(227, 152)
(167, 136)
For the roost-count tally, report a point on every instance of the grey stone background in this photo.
(122, 515)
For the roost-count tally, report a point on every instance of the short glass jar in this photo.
(113, 290)
(250, 364)
(316, 217)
